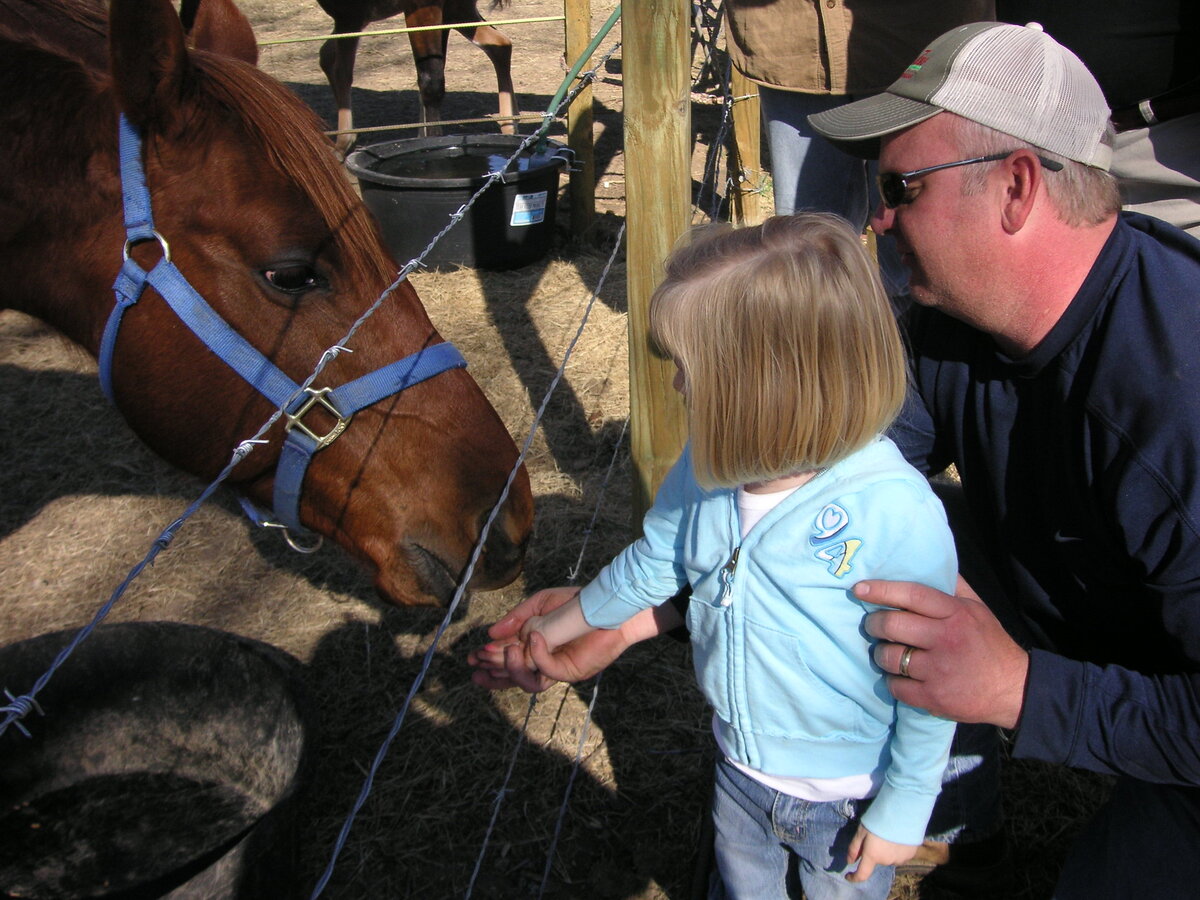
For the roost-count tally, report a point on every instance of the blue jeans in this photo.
(809, 173)
(769, 845)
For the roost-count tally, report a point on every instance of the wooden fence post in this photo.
(658, 192)
(745, 159)
(578, 28)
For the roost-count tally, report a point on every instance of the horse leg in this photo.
(498, 49)
(337, 61)
(429, 56)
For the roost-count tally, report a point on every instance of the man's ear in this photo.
(1023, 181)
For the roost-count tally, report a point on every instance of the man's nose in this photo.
(882, 218)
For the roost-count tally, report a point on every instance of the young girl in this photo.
(787, 495)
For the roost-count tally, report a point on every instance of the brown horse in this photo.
(429, 53)
(254, 210)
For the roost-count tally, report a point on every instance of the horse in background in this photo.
(251, 205)
(429, 54)
(338, 55)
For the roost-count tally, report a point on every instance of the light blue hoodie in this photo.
(779, 646)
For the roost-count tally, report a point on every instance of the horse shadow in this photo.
(431, 825)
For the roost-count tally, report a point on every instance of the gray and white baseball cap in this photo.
(1015, 79)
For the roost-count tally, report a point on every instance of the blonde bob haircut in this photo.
(787, 343)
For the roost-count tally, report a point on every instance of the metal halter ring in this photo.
(316, 540)
(152, 236)
(905, 659)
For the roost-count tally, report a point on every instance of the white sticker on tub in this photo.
(528, 209)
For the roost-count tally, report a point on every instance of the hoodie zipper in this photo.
(727, 572)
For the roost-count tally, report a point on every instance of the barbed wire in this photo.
(466, 577)
(20, 706)
(427, 659)
(710, 179)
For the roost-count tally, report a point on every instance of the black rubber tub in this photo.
(167, 764)
(414, 186)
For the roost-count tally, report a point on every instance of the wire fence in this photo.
(19, 706)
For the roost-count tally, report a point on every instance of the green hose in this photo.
(575, 69)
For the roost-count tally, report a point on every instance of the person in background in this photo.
(1146, 56)
(810, 55)
(791, 366)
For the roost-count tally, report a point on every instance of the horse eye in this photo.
(295, 279)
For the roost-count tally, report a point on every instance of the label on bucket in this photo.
(528, 209)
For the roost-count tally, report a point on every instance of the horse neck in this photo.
(72, 29)
(60, 233)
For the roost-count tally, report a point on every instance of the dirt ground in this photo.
(81, 500)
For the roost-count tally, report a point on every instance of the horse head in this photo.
(254, 210)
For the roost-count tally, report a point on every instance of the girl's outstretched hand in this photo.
(501, 663)
(869, 850)
(506, 662)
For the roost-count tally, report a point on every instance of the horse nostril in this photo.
(505, 554)
(503, 557)
(501, 553)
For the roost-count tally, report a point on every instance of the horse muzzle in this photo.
(424, 574)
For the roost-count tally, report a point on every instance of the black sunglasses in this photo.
(895, 190)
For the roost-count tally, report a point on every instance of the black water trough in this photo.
(414, 186)
(167, 764)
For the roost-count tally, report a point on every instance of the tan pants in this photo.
(1159, 171)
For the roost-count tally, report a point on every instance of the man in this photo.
(1055, 366)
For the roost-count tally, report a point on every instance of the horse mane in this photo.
(290, 136)
(83, 13)
(73, 61)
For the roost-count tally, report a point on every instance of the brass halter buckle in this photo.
(317, 396)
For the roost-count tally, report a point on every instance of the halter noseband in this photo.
(258, 371)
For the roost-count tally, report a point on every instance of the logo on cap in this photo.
(916, 65)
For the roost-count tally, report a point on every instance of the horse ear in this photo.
(220, 27)
(148, 61)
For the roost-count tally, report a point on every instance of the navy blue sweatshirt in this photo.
(1080, 465)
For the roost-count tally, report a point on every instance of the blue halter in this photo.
(258, 371)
